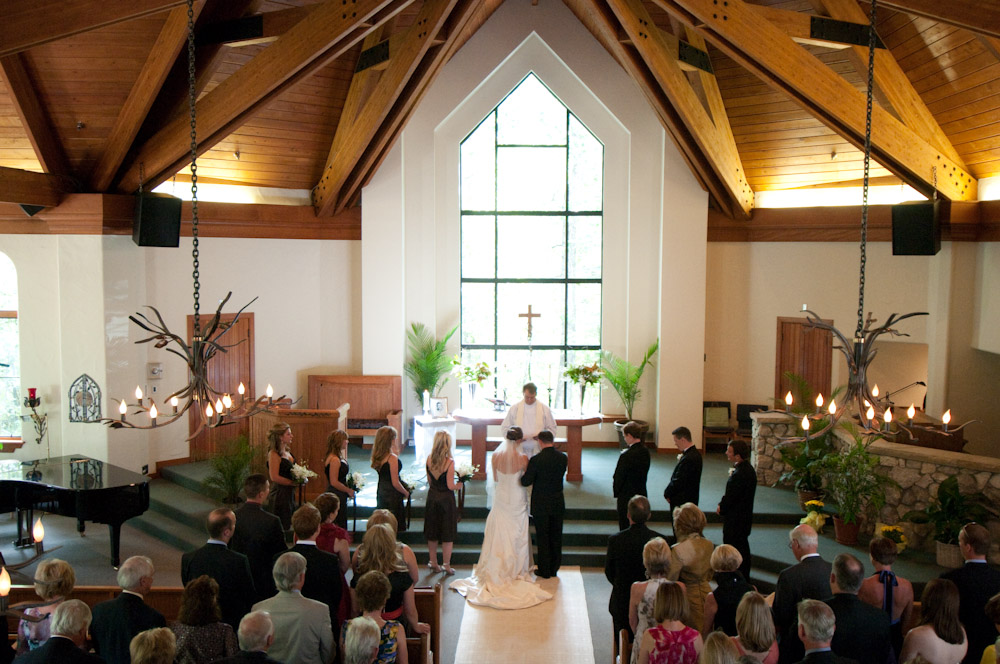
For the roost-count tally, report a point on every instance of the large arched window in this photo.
(10, 371)
(532, 182)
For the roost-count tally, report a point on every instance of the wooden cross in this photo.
(529, 316)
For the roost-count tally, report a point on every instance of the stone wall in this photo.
(918, 471)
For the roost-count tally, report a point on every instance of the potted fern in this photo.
(428, 365)
(623, 377)
(230, 468)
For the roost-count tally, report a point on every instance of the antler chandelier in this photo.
(213, 407)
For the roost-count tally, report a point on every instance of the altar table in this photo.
(574, 422)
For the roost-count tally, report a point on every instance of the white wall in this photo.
(987, 314)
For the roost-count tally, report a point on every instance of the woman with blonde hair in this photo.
(279, 471)
(54, 581)
(405, 552)
(718, 649)
(692, 559)
(337, 470)
(379, 553)
(153, 646)
(730, 587)
(441, 512)
(385, 459)
(755, 629)
(670, 640)
(642, 598)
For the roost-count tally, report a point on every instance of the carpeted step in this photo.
(188, 475)
(168, 531)
(180, 504)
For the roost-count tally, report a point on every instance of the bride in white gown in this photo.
(502, 578)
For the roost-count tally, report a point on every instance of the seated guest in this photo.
(373, 590)
(976, 581)
(409, 558)
(361, 641)
(755, 634)
(258, 534)
(334, 539)
(256, 634)
(153, 646)
(809, 578)
(118, 620)
(624, 564)
(379, 553)
(642, 599)
(721, 603)
(201, 634)
(816, 629)
(940, 637)
(69, 624)
(670, 641)
(323, 573)
(302, 631)
(862, 630)
(884, 590)
(54, 580)
(993, 613)
(692, 560)
(231, 570)
(718, 649)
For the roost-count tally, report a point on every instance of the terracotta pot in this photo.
(845, 533)
(806, 496)
(949, 555)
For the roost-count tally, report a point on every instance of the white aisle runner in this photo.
(553, 632)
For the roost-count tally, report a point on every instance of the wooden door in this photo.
(225, 372)
(806, 351)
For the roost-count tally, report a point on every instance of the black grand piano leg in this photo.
(116, 539)
(81, 527)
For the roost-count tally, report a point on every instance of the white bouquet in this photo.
(465, 471)
(356, 481)
(302, 474)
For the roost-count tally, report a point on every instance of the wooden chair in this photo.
(373, 401)
(744, 423)
(715, 422)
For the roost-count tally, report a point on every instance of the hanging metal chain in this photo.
(868, 155)
(192, 99)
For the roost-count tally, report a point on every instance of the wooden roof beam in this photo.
(168, 44)
(357, 130)
(34, 119)
(709, 131)
(30, 188)
(30, 23)
(763, 49)
(687, 56)
(330, 30)
(254, 29)
(892, 81)
(979, 16)
(812, 30)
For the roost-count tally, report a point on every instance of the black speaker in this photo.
(916, 228)
(157, 220)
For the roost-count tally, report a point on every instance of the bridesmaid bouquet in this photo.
(301, 473)
(355, 481)
(465, 471)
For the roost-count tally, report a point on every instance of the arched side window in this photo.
(10, 365)
(532, 186)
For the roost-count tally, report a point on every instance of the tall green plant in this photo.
(428, 365)
(230, 468)
(623, 376)
(805, 461)
(950, 511)
(854, 481)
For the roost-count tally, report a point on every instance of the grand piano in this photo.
(76, 486)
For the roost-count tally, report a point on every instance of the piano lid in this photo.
(71, 472)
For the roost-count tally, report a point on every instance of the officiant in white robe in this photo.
(532, 416)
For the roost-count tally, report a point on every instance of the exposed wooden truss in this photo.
(34, 119)
(254, 29)
(30, 188)
(981, 16)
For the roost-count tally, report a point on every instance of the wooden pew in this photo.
(428, 601)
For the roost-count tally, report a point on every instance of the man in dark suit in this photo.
(323, 575)
(817, 626)
(256, 634)
(809, 578)
(70, 622)
(736, 506)
(631, 471)
(623, 564)
(258, 535)
(545, 474)
(862, 630)
(231, 570)
(685, 482)
(977, 581)
(116, 621)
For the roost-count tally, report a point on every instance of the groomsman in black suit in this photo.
(977, 581)
(736, 506)
(685, 482)
(545, 475)
(631, 471)
(259, 535)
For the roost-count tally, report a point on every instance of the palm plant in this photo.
(429, 364)
(623, 376)
(230, 468)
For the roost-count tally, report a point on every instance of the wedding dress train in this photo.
(502, 578)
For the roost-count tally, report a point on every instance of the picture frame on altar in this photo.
(439, 406)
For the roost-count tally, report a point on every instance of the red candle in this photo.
(32, 392)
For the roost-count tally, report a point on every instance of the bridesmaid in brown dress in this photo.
(385, 459)
(441, 513)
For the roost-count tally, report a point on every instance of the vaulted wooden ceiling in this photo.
(757, 95)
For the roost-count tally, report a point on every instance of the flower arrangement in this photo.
(301, 473)
(894, 533)
(477, 372)
(465, 471)
(584, 374)
(409, 481)
(356, 481)
(815, 516)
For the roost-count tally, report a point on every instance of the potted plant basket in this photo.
(805, 467)
(948, 513)
(623, 377)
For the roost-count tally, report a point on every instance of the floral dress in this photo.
(673, 647)
(388, 644)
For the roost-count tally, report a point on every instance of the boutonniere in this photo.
(680, 456)
(732, 470)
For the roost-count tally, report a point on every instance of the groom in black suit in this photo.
(630, 473)
(545, 474)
